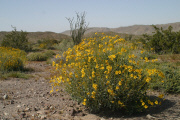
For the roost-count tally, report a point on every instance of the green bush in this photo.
(104, 72)
(37, 57)
(64, 45)
(162, 41)
(16, 39)
(171, 80)
(47, 43)
(40, 56)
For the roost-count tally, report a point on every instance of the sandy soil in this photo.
(30, 99)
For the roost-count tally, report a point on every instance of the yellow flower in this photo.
(107, 82)
(83, 73)
(123, 50)
(116, 72)
(95, 86)
(142, 52)
(145, 106)
(143, 103)
(93, 94)
(131, 75)
(111, 57)
(102, 68)
(93, 74)
(112, 101)
(117, 87)
(88, 93)
(97, 66)
(135, 77)
(148, 79)
(161, 96)
(84, 103)
(119, 102)
(152, 103)
(120, 83)
(106, 76)
(104, 50)
(156, 102)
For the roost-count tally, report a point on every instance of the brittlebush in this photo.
(106, 72)
(11, 59)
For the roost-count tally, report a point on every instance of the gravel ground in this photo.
(29, 99)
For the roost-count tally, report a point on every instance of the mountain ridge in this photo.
(133, 29)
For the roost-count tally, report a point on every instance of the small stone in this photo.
(149, 116)
(5, 97)
(6, 114)
(51, 107)
(46, 108)
(26, 109)
(12, 102)
(22, 115)
(43, 116)
(19, 106)
(36, 108)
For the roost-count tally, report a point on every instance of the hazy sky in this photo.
(50, 15)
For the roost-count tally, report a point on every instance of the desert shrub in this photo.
(40, 56)
(162, 41)
(78, 28)
(49, 53)
(106, 72)
(37, 57)
(47, 43)
(11, 59)
(171, 80)
(148, 54)
(64, 45)
(16, 39)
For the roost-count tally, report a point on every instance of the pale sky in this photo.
(50, 15)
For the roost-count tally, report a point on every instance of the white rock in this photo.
(6, 114)
(5, 97)
(19, 106)
(149, 116)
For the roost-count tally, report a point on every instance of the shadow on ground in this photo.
(165, 104)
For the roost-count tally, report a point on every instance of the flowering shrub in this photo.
(11, 59)
(106, 72)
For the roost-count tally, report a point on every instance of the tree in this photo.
(16, 39)
(78, 28)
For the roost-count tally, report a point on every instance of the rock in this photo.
(43, 116)
(71, 111)
(26, 109)
(149, 116)
(36, 108)
(12, 102)
(46, 108)
(22, 114)
(19, 106)
(6, 114)
(5, 97)
(90, 117)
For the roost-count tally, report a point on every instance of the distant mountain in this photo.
(135, 29)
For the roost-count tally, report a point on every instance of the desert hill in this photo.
(135, 29)
(122, 31)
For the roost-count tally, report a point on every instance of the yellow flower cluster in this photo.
(11, 58)
(103, 70)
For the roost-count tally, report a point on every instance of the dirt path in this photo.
(30, 99)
